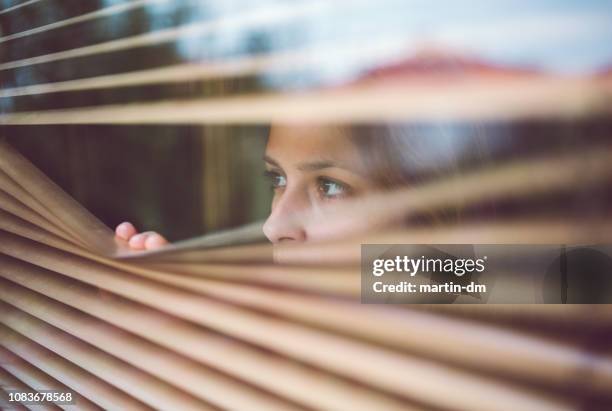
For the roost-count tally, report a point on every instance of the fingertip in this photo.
(154, 241)
(125, 231)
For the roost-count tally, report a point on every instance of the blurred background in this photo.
(181, 181)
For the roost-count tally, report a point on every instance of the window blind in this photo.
(229, 321)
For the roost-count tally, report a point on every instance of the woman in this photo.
(310, 167)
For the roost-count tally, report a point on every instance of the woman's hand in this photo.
(149, 240)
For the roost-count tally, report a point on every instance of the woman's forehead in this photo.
(307, 141)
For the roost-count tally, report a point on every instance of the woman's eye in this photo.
(277, 180)
(332, 189)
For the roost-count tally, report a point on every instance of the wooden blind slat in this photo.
(517, 99)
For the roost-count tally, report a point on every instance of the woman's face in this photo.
(310, 167)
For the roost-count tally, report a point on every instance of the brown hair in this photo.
(400, 155)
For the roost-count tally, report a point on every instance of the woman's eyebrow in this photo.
(272, 161)
(318, 165)
(309, 166)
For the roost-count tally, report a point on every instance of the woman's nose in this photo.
(284, 222)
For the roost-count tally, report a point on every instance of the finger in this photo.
(137, 242)
(125, 231)
(154, 241)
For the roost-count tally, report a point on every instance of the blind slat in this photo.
(517, 99)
